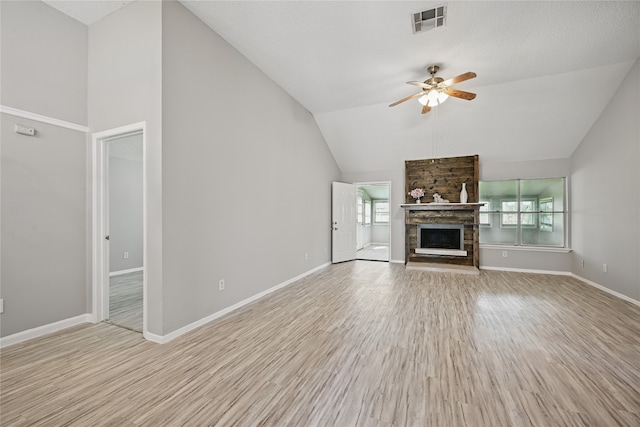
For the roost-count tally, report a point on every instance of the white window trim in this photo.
(519, 246)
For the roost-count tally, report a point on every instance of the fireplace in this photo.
(441, 239)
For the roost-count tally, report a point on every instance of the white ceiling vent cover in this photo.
(429, 19)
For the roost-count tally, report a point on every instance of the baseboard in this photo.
(175, 334)
(397, 261)
(605, 289)
(121, 272)
(44, 330)
(158, 339)
(526, 270)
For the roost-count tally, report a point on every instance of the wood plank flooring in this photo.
(356, 344)
(125, 300)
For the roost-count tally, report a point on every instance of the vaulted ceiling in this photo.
(546, 70)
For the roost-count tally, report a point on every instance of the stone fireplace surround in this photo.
(445, 177)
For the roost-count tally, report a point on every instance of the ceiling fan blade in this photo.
(421, 84)
(462, 77)
(459, 93)
(415, 95)
(426, 109)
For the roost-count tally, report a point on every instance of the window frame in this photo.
(543, 214)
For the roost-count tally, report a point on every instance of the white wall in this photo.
(43, 222)
(379, 233)
(125, 87)
(246, 176)
(605, 194)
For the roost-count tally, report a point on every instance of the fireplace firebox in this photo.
(441, 239)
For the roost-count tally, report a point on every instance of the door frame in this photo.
(100, 218)
(388, 184)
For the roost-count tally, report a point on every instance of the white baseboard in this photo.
(605, 289)
(397, 261)
(162, 339)
(158, 339)
(526, 270)
(44, 330)
(121, 272)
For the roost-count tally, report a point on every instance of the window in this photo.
(367, 212)
(380, 212)
(484, 215)
(530, 212)
(360, 209)
(546, 215)
(511, 219)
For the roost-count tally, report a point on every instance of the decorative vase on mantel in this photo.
(463, 194)
(418, 201)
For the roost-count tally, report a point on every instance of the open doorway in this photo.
(126, 268)
(119, 211)
(373, 236)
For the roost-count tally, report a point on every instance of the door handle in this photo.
(106, 237)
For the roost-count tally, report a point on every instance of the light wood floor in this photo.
(125, 300)
(374, 252)
(356, 344)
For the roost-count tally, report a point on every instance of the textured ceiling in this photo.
(546, 70)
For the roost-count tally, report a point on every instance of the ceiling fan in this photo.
(436, 90)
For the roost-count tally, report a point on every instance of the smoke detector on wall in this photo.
(428, 19)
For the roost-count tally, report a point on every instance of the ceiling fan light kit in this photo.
(436, 90)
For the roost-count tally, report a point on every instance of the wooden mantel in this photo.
(441, 206)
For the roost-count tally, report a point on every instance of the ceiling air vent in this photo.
(429, 19)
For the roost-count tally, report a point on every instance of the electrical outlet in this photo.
(604, 267)
(306, 256)
(221, 285)
(504, 254)
(1, 305)
(125, 255)
(582, 263)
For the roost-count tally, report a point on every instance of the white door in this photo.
(343, 222)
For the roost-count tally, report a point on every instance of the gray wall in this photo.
(44, 61)
(246, 176)
(606, 194)
(43, 222)
(125, 86)
(125, 203)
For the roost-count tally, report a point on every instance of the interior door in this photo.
(343, 222)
